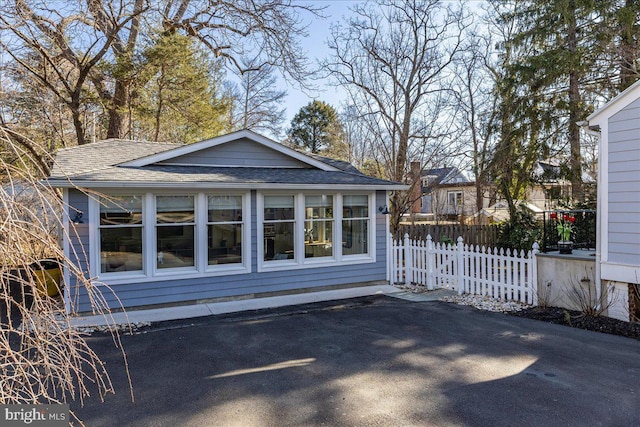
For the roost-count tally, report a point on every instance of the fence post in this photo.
(390, 258)
(408, 261)
(533, 281)
(460, 266)
(429, 256)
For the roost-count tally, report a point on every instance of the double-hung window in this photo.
(121, 231)
(279, 227)
(175, 231)
(318, 226)
(454, 199)
(355, 225)
(224, 229)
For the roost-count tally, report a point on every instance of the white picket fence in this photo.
(497, 273)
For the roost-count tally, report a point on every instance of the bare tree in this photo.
(258, 102)
(61, 45)
(393, 59)
(476, 105)
(43, 359)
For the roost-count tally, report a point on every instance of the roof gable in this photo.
(238, 149)
(628, 96)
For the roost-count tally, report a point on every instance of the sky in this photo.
(316, 47)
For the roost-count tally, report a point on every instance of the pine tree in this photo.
(316, 127)
(177, 93)
(556, 49)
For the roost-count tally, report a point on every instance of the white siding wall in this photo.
(624, 186)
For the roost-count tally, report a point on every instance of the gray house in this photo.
(238, 214)
(618, 237)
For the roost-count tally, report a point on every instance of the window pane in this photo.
(355, 235)
(175, 246)
(278, 208)
(355, 206)
(278, 241)
(121, 210)
(174, 209)
(225, 244)
(319, 206)
(225, 208)
(318, 239)
(120, 249)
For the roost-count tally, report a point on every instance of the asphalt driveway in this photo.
(375, 361)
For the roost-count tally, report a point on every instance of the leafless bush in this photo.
(544, 295)
(43, 359)
(583, 294)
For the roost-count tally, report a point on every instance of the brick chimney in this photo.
(416, 191)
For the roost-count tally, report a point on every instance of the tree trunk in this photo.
(117, 110)
(575, 162)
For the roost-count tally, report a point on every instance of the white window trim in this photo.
(197, 241)
(150, 271)
(299, 261)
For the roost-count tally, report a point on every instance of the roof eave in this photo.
(624, 98)
(66, 183)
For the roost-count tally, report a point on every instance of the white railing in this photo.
(497, 273)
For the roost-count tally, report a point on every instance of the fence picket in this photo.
(480, 270)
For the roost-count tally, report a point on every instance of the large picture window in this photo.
(224, 229)
(279, 227)
(318, 226)
(175, 231)
(121, 230)
(355, 225)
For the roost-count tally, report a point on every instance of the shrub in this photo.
(520, 232)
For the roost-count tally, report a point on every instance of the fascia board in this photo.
(219, 185)
(615, 105)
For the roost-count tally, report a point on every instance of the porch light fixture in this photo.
(77, 218)
(384, 210)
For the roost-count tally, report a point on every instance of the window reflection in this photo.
(121, 232)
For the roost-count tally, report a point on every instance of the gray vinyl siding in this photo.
(203, 288)
(240, 153)
(624, 186)
(79, 238)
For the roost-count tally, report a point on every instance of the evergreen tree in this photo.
(555, 51)
(177, 93)
(316, 127)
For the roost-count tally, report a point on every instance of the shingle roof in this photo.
(445, 175)
(103, 154)
(98, 165)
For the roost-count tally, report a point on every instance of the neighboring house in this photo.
(235, 215)
(618, 238)
(550, 187)
(447, 193)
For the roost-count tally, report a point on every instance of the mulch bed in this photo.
(577, 319)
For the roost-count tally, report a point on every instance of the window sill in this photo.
(318, 263)
(181, 274)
